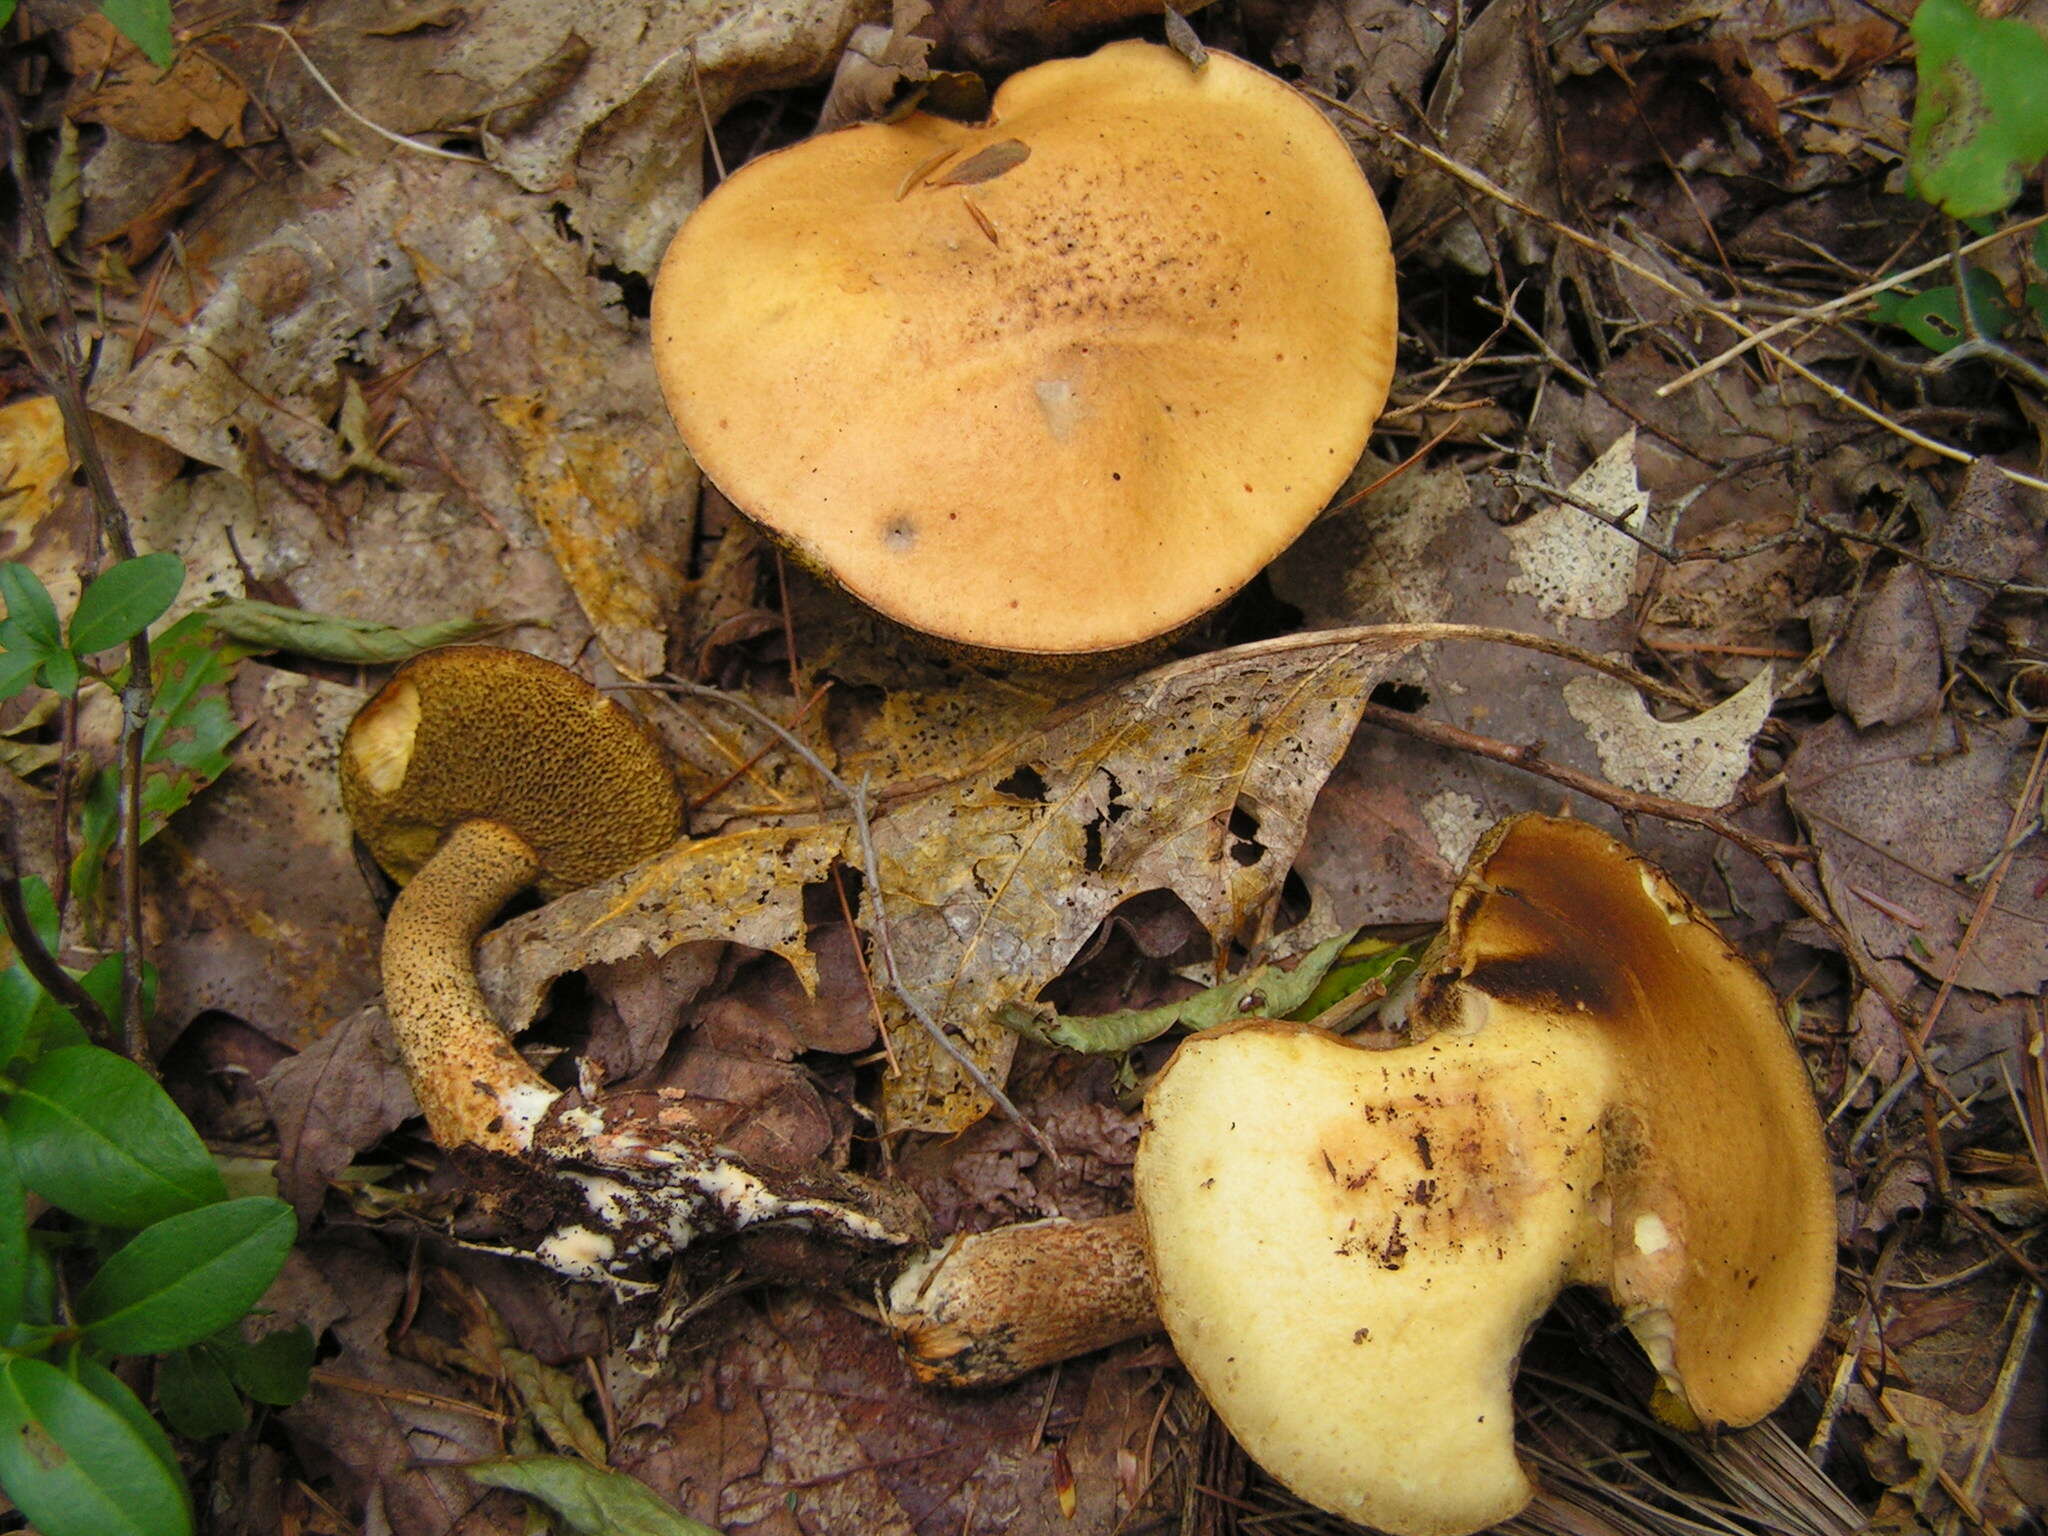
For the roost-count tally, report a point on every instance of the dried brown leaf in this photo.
(123, 90)
(985, 165)
(1903, 817)
(743, 887)
(996, 883)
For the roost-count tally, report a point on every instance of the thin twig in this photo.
(379, 129)
(1441, 733)
(857, 805)
(62, 370)
(1657, 280)
(28, 944)
(1837, 305)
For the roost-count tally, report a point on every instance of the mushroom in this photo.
(1055, 384)
(474, 773)
(1351, 1245)
(985, 1308)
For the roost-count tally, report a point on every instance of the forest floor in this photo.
(367, 290)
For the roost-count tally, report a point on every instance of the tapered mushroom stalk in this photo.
(1351, 1245)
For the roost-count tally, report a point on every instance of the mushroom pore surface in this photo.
(479, 733)
(1054, 384)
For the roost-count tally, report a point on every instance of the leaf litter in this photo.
(373, 384)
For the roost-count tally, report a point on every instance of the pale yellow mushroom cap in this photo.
(480, 733)
(1351, 1245)
(1062, 408)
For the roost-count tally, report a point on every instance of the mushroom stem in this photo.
(987, 1307)
(472, 1085)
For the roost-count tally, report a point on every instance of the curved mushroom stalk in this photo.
(474, 773)
(473, 1086)
(1351, 1245)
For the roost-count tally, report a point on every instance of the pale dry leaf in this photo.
(1375, 55)
(743, 887)
(566, 378)
(1196, 778)
(261, 361)
(1380, 558)
(619, 142)
(1573, 564)
(1699, 761)
(35, 457)
(1457, 822)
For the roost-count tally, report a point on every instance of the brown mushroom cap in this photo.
(1722, 1208)
(1351, 1245)
(479, 733)
(1055, 384)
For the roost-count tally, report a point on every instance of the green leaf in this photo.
(76, 1466)
(113, 1391)
(31, 616)
(184, 747)
(187, 1276)
(96, 1136)
(1981, 118)
(146, 24)
(60, 673)
(359, 642)
(276, 1369)
(16, 668)
(41, 906)
(38, 1298)
(1363, 963)
(195, 1395)
(1265, 992)
(1935, 318)
(124, 600)
(14, 1243)
(589, 1500)
(6, 12)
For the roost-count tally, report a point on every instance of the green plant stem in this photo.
(28, 944)
(53, 354)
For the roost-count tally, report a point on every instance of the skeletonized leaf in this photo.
(1700, 760)
(1196, 778)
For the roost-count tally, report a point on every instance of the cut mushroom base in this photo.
(1351, 1245)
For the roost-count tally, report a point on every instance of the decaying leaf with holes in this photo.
(1195, 778)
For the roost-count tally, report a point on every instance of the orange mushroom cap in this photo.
(1054, 384)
